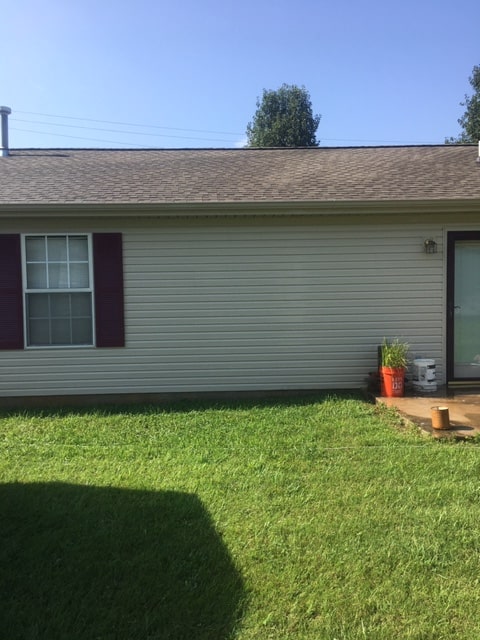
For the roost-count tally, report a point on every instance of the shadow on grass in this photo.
(248, 400)
(105, 563)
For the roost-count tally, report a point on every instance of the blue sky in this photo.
(187, 73)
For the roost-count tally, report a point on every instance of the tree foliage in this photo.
(470, 121)
(284, 118)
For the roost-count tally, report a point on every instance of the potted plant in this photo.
(394, 362)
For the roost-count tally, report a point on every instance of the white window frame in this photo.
(26, 291)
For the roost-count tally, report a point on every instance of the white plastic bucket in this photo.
(424, 375)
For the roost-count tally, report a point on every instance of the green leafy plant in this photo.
(394, 354)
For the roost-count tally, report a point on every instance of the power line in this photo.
(166, 135)
(64, 135)
(134, 133)
(128, 124)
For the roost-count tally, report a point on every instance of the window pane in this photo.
(37, 305)
(79, 276)
(57, 249)
(35, 249)
(36, 276)
(60, 305)
(78, 247)
(61, 332)
(57, 276)
(82, 331)
(38, 332)
(81, 305)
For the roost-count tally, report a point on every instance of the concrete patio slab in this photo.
(463, 409)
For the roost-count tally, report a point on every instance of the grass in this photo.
(311, 519)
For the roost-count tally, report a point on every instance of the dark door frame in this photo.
(452, 238)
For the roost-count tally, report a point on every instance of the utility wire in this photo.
(134, 133)
(129, 124)
(64, 135)
(165, 135)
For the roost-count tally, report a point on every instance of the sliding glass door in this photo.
(464, 306)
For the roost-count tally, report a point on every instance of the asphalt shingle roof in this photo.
(174, 176)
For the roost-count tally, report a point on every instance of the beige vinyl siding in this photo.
(253, 303)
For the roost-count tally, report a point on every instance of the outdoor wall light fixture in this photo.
(430, 246)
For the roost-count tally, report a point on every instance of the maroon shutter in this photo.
(108, 287)
(11, 306)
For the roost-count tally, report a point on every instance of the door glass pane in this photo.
(467, 310)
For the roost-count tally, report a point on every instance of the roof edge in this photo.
(240, 149)
(227, 209)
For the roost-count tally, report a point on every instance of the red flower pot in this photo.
(392, 382)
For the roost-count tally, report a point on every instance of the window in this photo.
(58, 290)
(51, 283)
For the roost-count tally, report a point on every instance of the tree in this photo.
(470, 121)
(284, 118)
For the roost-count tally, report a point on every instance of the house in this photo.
(234, 270)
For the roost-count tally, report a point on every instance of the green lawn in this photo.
(311, 519)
